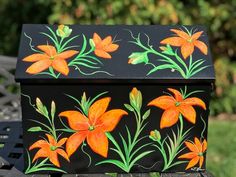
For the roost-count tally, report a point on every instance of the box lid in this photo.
(114, 54)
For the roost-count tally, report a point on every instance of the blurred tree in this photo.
(217, 15)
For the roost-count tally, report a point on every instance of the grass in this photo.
(221, 157)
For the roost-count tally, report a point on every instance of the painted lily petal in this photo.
(174, 41)
(194, 101)
(201, 46)
(169, 118)
(181, 33)
(39, 144)
(111, 118)
(193, 162)
(191, 147)
(39, 66)
(189, 155)
(76, 120)
(54, 158)
(35, 57)
(102, 54)
(163, 102)
(62, 153)
(188, 112)
(48, 49)
(60, 66)
(111, 47)
(51, 140)
(196, 35)
(96, 38)
(204, 146)
(178, 96)
(106, 41)
(67, 54)
(198, 144)
(61, 142)
(187, 49)
(98, 108)
(74, 141)
(41, 153)
(98, 142)
(201, 160)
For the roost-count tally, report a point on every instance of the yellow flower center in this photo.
(200, 154)
(91, 128)
(51, 58)
(53, 148)
(177, 103)
(190, 40)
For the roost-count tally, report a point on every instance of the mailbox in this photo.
(114, 99)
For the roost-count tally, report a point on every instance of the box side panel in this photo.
(159, 121)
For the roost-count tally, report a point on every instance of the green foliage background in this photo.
(217, 15)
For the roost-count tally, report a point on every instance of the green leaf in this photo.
(84, 44)
(45, 111)
(53, 109)
(125, 147)
(139, 100)
(177, 163)
(34, 129)
(80, 63)
(198, 70)
(130, 108)
(39, 104)
(139, 157)
(86, 60)
(46, 169)
(118, 149)
(92, 44)
(68, 41)
(129, 136)
(196, 66)
(138, 149)
(146, 114)
(114, 162)
(50, 37)
(160, 67)
(53, 33)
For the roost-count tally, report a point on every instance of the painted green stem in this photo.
(174, 147)
(174, 151)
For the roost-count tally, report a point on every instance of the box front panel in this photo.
(115, 128)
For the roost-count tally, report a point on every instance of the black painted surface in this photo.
(120, 95)
(118, 66)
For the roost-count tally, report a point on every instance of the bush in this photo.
(217, 15)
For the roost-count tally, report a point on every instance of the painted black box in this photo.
(99, 99)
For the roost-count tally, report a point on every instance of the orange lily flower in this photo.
(174, 106)
(50, 149)
(103, 47)
(186, 42)
(50, 58)
(196, 155)
(93, 127)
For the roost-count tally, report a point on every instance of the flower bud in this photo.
(136, 98)
(63, 31)
(138, 57)
(155, 135)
